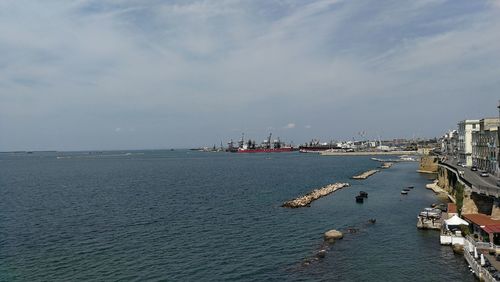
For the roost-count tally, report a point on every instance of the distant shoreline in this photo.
(368, 153)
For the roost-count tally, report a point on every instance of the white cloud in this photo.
(194, 70)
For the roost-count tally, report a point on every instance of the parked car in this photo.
(473, 168)
(484, 174)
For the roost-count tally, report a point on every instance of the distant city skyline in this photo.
(99, 75)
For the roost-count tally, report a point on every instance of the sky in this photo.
(146, 74)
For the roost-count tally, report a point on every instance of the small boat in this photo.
(404, 192)
(406, 189)
(372, 220)
(363, 194)
(410, 187)
(359, 199)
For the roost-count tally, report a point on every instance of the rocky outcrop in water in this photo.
(386, 165)
(305, 200)
(329, 239)
(332, 235)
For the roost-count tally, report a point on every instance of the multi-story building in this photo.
(485, 145)
(465, 129)
(449, 143)
(498, 144)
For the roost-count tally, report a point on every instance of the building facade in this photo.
(449, 143)
(465, 129)
(485, 145)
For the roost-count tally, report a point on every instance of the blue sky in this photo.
(130, 74)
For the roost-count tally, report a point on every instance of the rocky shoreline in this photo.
(440, 192)
(308, 198)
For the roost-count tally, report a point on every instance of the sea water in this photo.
(186, 216)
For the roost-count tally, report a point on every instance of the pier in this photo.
(308, 198)
(365, 174)
(429, 223)
(430, 218)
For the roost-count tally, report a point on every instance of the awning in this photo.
(495, 228)
(455, 220)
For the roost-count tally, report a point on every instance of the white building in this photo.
(485, 145)
(449, 143)
(465, 129)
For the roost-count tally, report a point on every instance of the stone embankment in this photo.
(434, 187)
(366, 174)
(428, 164)
(308, 198)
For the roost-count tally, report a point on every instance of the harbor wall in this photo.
(428, 164)
(467, 202)
(495, 210)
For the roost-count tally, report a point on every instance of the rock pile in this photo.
(314, 195)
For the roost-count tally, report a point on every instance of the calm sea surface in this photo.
(188, 216)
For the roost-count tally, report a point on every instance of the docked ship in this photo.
(315, 147)
(267, 146)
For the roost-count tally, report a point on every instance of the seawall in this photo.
(428, 164)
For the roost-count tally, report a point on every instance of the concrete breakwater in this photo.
(365, 174)
(308, 198)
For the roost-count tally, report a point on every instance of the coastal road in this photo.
(473, 177)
